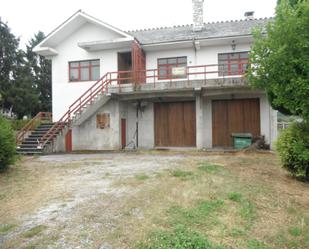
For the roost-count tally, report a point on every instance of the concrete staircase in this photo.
(88, 110)
(30, 145)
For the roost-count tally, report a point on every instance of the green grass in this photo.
(255, 244)
(6, 228)
(197, 215)
(181, 173)
(237, 197)
(142, 177)
(179, 238)
(34, 231)
(209, 168)
(295, 231)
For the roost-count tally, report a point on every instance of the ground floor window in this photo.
(84, 70)
(233, 63)
(167, 68)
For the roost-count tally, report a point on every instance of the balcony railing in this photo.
(201, 72)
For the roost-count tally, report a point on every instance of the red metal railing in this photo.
(41, 116)
(121, 77)
(99, 87)
(190, 73)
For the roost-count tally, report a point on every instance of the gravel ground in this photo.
(68, 187)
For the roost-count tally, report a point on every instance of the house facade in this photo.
(181, 86)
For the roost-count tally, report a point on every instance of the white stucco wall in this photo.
(65, 92)
(206, 55)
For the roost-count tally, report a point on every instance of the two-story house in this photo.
(180, 86)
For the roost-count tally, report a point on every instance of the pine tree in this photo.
(8, 62)
(41, 71)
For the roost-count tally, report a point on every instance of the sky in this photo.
(27, 17)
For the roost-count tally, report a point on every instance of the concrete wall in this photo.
(145, 125)
(88, 137)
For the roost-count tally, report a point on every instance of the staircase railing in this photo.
(41, 116)
(100, 86)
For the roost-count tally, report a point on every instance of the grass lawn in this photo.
(197, 201)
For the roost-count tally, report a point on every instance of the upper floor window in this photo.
(166, 67)
(84, 70)
(233, 63)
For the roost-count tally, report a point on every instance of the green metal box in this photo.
(241, 140)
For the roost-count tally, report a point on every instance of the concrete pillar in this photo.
(273, 127)
(116, 126)
(199, 122)
(208, 123)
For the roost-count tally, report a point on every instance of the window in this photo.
(103, 121)
(166, 65)
(84, 70)
(233, 63)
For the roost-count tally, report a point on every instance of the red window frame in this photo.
(231, 61)
(168, 67)
(79, 67)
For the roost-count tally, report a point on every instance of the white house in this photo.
(179, 86)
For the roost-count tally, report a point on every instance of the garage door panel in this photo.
(161, 138)
(189, 124)
(252, 117)
(219, 120)
(175, 124)
(234, 116)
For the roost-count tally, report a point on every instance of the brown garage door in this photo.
(175, 124)
(234, 116)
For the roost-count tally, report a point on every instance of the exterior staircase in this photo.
(30, 145)
(36, 141)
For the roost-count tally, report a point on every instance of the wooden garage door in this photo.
(234, 116)
(175, 124)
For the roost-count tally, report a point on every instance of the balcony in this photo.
(178, 79)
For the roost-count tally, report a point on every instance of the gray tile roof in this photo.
(210, 30)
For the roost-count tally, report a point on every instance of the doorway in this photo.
(124, 64)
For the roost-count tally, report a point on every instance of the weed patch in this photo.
(6, 228)
(142, 177)
(197, 215)
(237, 197)
(178, 238)
(295, 231)
(209, 168)
(181, 173)
(34, 231)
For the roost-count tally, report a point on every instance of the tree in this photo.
(280, 58)
(25, 77)
(8, 60)
(41, 71)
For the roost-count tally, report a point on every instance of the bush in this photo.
(18, 124)
(293, 148)
(7, 144)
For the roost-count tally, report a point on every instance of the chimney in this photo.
(198, 22)
(249, 15)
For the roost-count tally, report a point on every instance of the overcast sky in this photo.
(26, 17)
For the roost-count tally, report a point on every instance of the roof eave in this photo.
(45, 51)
